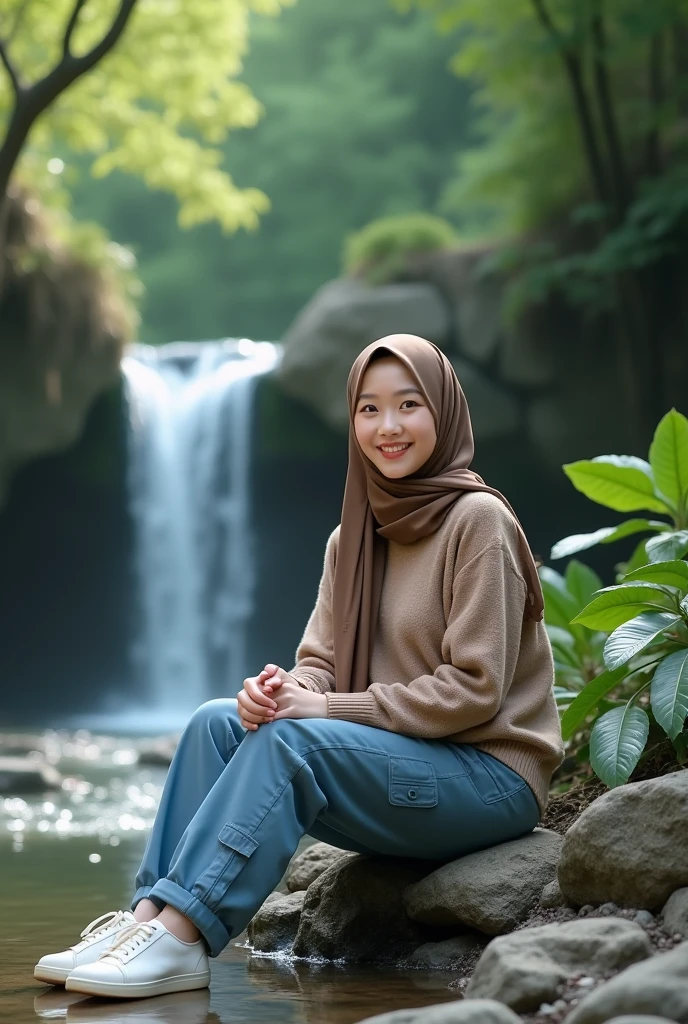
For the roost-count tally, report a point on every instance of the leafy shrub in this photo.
(621, 652)
(379, 252)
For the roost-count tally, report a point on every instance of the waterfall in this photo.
(190, 451)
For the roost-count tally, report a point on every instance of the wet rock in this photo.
(354, 912)
(336, 325)
(465, 1011)
(443, 956)
(552, 897)
(26, 775)
(629, 845)
(659, 986)
(274, 927)
(309, 865)
(524, 969)
(158, 751)
(639, 1018)
(492, 890)
(675, 913)
(644, 918)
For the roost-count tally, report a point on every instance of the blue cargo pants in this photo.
(235, 805)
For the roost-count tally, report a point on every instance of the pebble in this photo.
(608, 909)
(546, 1008)
(586, 982)
(560, 1004)
(587, 909)
(644, 918)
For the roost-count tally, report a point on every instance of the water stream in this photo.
(190, 407)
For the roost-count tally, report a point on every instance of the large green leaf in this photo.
(669, 693)
(616, 742)
(637, 559)
(605, 535)
(669, 456)
(581, 582)
(673, 573)
(618, 604)
(668, 546)
(563, 646)
(619, 482)
(588, 698)
(560, 605)
(632, 637)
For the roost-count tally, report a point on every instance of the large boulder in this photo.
(336, 325)
(629, 846)
(658, 986)
(464, 1011)
(354, 912)
(310, 864)
(273, 929)
(492, 890)
(495, 412)
(524, 969)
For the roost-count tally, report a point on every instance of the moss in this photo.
(380, 251)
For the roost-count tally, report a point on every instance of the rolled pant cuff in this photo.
(210, 927)
(143, 893)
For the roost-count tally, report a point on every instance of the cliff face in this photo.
(63, 325)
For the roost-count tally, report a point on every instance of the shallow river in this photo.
(68, 856)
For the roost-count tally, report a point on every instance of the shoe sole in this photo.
(52, 975)
(124, 990)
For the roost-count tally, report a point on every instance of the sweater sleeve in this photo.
(480, 650)
(314, 669)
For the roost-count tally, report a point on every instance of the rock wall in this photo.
(545, 379)
(63, 325)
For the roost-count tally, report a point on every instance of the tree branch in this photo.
(574, 69)
(9, 67)
(603, 88)
(71, 25)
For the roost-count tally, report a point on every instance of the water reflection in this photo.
(57, 879)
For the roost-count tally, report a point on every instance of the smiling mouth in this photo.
(391, 450)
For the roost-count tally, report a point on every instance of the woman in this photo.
(419, 719)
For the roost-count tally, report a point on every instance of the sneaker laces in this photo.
(128, 939)
(93, 930)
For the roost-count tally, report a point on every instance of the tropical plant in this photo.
(380, 251)
(621, 652)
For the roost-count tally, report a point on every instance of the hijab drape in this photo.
(376, 508)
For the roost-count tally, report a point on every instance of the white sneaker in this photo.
(95, 939)
(145, 960)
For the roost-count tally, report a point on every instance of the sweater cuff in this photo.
(311, 680)
(354, 707)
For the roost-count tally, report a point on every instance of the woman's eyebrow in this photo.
(404, 391)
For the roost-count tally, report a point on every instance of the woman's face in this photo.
(392, 421)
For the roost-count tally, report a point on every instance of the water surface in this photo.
(67, 857)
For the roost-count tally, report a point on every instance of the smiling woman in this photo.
(393, 424)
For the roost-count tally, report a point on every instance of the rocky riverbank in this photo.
(577, 928)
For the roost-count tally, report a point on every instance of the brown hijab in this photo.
(402, 510)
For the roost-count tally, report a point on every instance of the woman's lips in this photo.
(394, 455)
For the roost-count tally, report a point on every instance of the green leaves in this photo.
(669, 693)
(668, 546)
(616, 743)
(616, 605)
(587, 700)
(671, 573)
(605, 535)
(634, 636)
(669, 457)
(621, 482)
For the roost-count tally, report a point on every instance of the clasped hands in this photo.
(275, 694)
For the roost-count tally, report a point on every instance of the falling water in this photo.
(189, 486)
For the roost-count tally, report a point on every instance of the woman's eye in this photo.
(368, 408)
(409, 401)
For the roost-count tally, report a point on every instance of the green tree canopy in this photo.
(149, 88)
(363, 119)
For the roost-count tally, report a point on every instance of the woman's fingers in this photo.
(253, 688)
(259, 711)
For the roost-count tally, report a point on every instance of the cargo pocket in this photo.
(412, 782)
(236, 848)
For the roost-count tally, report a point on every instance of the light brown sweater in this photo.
(454, 658)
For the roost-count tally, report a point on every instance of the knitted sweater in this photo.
(454, 658)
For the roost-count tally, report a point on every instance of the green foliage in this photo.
(380, 251)
(357, 102)
(639, 638)
(158, 106)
